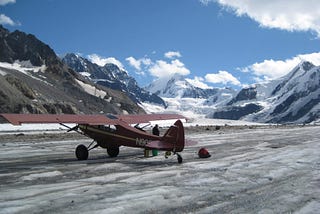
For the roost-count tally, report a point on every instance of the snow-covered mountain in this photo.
(111, 76)
(179, 87)
(294, 98)
(182, 96)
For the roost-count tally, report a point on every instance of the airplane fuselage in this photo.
(107, 137)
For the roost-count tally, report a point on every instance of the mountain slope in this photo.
(294, 98)
(183, 97)
(35, 80)
(111, 76)
(178, 87)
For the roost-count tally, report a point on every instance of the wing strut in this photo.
(75, 128)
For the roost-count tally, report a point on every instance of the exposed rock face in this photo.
(111, 76)
(33, 79)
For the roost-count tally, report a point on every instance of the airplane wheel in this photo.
(179, 158)
(113, 151)
(82, 152)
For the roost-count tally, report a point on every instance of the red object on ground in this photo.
(203, 153)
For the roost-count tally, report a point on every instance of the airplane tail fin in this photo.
(175, 134)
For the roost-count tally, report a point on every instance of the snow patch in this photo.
(6, 128)
(85, 74)
(92, 90)
(26, 68)
(2, 73)
(41, 175)
(23, 66)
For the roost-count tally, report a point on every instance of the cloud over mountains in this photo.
(293, 15)
(4, 19)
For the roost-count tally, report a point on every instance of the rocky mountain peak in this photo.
(24, 47)
(111, 76)
(306, 65)
(3, 32)
(76, 62)
(114, 68)
(55, 88)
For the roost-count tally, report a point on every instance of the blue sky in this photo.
(218, 43)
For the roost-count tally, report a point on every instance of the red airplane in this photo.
(112, 131)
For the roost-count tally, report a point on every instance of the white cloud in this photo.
(137, 63)
(172, 54)
(162, 68)
(5, 20)
(312, 57)
(134, 62)
(102, 61)
(205, 2)
(4, 2)
(198, 82)
(272, 69)
(291, 15)
(159, 68)
(223, 77)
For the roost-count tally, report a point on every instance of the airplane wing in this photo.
(18, 119)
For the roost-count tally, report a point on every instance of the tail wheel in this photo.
(82, 152)
(113, 151)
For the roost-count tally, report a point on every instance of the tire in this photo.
(82, 152)
(179, 158)
(113, 151)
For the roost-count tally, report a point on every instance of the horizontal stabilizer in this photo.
(157, 144)
(161, 145)
(190, 142)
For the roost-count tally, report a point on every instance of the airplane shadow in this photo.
(132, 158)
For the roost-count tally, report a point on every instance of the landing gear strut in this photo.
(179, 158)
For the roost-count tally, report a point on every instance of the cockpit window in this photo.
(108, 128)
(111, 116)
